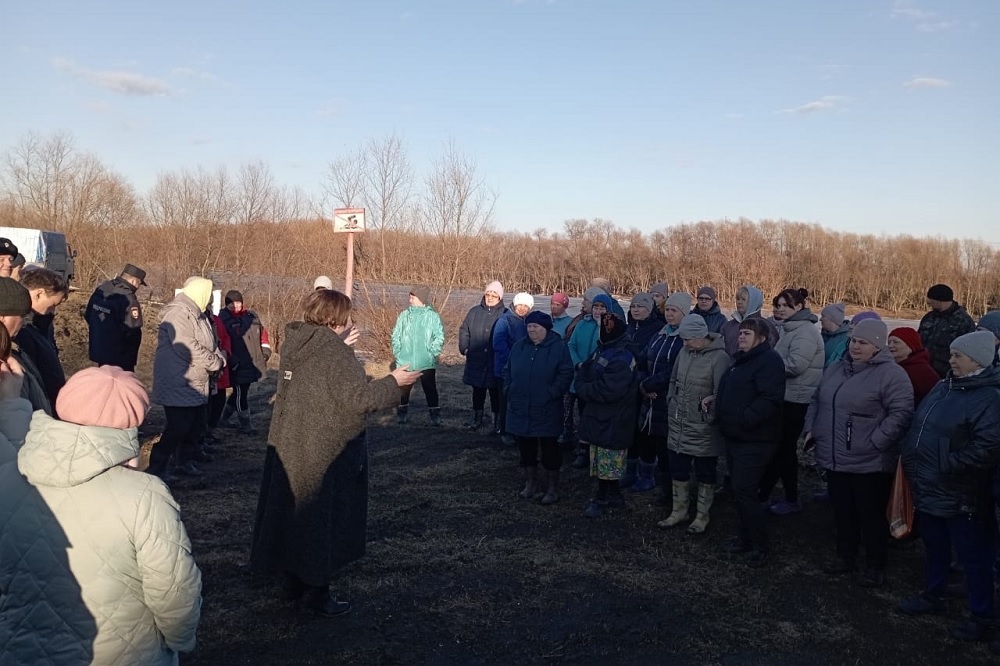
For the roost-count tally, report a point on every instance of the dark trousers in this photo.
(747, 462)
(529, 446)
(239, 399)
(501, 426)
(182, 433)
(646, 446)
(479, 398)
(569, 426)
(785, 464)
(859, 502)
(428, 382)
(216, 405)
(974, 539)
(704, 467)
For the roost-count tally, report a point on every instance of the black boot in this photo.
(477, 420)
(401, 414)
(319, 601)
(435, 416)
(497, 430)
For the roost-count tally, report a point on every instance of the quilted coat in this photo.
(418, 338)
(607, 381)
(696, 375)
(186, 352)
(534, 380)
(801, 348)
(312, 511)
(475, 343)
(95, 564)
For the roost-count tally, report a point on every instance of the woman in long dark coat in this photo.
(312, 512)
(475, 343)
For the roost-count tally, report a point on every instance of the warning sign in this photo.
(349, 220)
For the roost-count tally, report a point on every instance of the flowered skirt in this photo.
(607, 464)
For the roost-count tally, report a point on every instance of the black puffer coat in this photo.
(953, 445)
(751, 394)
(607, 383)
(475, 343)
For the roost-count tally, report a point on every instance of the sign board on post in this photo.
(349, 221)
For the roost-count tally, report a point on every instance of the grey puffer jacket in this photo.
(95, 563)
(186, 353)
(801, 348)
(859, 414)
(696, 375)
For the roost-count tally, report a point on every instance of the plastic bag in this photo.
(899, 512)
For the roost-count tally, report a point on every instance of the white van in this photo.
(43, 248)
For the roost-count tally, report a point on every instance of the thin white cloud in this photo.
(124, 82)
(926, 82)
(922, 20)
(190, 73)
(825, 103)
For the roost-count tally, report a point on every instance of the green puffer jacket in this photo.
(418, 338)
(95, 564)
(696, 375)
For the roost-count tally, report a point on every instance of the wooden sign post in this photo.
(349, 221)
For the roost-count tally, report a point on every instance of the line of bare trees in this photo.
(437, 226)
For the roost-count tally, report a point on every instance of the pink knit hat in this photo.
(107, 396)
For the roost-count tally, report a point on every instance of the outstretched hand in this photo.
(404, 376)
(350, 336)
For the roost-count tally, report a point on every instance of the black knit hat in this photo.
(232, 296)
(540, 318)
(19, 260)
(941, 292)
(7, 247)
(15, 301)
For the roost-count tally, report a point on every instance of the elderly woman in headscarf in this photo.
(749, 301)
(641, 329)
(949, 457)
(908, 351)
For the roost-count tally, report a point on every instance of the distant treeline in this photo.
(440, 230)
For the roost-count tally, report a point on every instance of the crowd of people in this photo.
(652, 396)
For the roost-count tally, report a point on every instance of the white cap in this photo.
(524, 299)
(323, 282)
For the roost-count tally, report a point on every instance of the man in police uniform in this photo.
(8, 252)
(115, 320)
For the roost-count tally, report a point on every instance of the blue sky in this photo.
(870, 116)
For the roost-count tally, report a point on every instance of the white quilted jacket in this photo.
(95, 563)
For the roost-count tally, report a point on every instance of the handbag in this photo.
(899, 512)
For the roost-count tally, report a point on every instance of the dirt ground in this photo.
(460, 570)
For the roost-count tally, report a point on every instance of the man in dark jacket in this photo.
(15, 304)
(115, 320)
(47, 289)
(8, 253)
(946, 321)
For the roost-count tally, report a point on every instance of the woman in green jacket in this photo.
(417, 340)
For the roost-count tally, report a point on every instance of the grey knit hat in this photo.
(872, 331)
(644, 300)
(980, 346)
(659, 288)
(592, 293)
(692, 327)
(834, 312)
(680, 300)
(990, 322)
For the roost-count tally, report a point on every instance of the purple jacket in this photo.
(859, 414)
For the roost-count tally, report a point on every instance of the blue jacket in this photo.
(534, 381)
(115, 320)
(475, 343)
(655, 365)
(607, 383)
(418, 338)
(714, 318)
(509, 329)
(835, 344)
(583, 342)
(560, 324)
(953, 445)
(750, 398)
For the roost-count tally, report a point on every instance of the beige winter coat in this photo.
(696, 376)
(95, 564)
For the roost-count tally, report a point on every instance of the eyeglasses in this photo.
(705, 298)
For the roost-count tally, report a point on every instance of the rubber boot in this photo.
(477, 421)
(401, 414)
(435, 416)
(706, 495)
(630, 467)
(227, 415)
(645, 480)
(682, 502)
(530, 477)
(552, 492)
(246, 425)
